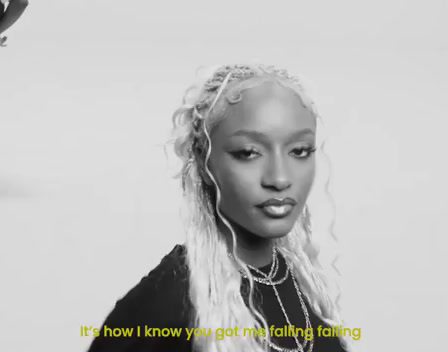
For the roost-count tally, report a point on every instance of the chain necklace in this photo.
(268, 280)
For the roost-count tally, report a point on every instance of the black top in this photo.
(161, 300)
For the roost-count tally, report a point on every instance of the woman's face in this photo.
(259, 152)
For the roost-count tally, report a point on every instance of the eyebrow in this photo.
(261, 136)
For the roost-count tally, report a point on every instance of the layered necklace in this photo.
(269, 280)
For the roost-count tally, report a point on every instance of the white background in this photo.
(87, 202)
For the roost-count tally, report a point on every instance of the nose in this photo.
(277, 175)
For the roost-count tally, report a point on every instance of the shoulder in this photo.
(163, 292)
(159, 300)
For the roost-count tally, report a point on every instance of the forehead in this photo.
(271, 109)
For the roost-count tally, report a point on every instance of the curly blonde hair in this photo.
(214, 281)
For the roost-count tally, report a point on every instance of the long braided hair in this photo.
(214, 281)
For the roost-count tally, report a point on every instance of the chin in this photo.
(274, 236)
(276, 231)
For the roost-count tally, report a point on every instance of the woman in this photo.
(247, 140)
(13, 12)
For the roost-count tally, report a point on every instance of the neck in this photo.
(250, 248)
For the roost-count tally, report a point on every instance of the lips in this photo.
(277, 202)
(277, 207)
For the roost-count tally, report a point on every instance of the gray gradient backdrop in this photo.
(87, 203)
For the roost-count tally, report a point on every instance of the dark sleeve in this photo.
(327, 343)
(158, 301)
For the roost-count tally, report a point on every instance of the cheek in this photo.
(306, 176)
(238, 190)
(308, 179)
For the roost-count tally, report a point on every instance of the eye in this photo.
(244, 154)
(308, 151)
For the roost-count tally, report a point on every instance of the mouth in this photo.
(278, 202)
(277, 211)
(277, 208)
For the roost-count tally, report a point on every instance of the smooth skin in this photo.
(250, 169)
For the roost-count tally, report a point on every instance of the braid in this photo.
(238, 72)
(223, 75)
(207, 253)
